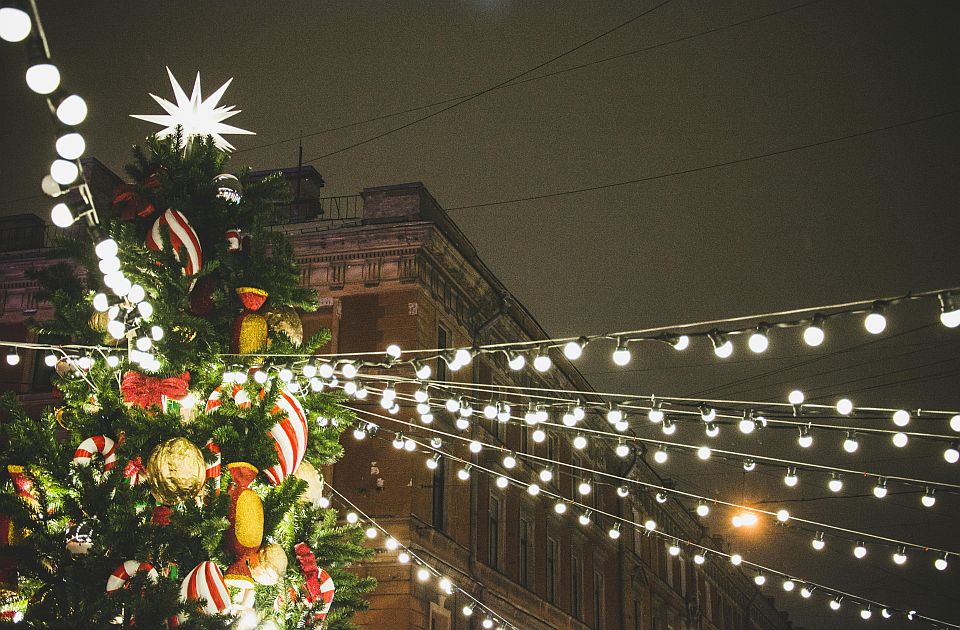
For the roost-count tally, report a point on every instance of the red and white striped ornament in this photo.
(122, 574)
(289, 436)
(241, 398)
(96, 444)
(173, 227)
(213, 469)
(327, 589)
(206, 581)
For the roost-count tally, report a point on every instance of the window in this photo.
(441, 370)
(598, 601)
(524, 439)
(576, 587)
(526, 552)
(553, 554)
(553, 446)
(439, 618)
(494, 533)
(439, 487)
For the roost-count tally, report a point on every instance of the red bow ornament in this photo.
(130, 203)
(308, 563)
(146, 391)
(135, 471)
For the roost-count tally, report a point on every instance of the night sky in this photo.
(693, 84)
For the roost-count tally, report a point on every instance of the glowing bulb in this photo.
(533, 489)
(796, 397)
(708, 414)
(475, 447)
(463, 474)
(704, 452)
(116, 329)
(844, 406)
(783, 516)
(72, 110)
(806, 592)
(50, 360)
(61, 216)
(502, 482)
(325, 370)
(736, 559)
(622, 492)
(584, 519)
(615, 415)
(13, 358)
(813, 334)
(542, 362)
(673, 549)
(835, 604)
(468, 610)
(100, 302)
(659, 456)
(650, 525)
(661, 497)
(423, 371)
(433, 463)
(806, 439)
(668, 427)
(749, 465)
(136, 294)
(900, 556)
(580, 442)
(350, 370)
(722, 347)
(145, 309)
(952, 455)
(656, 414)
(955, 423)
(546, 475)
(712, 430)
(875, 322)
(758, 341)
(446, 585)
(818, 542)
(746, 425)
(614, 532)
(64, 172)
(860, 551)
(835, 484)
(352, 518)
(393, 350)
(900, 439)
(422, 574)
(901, 417)
(949, 311)
(113, 360)
(702, 509)
(791, 478)
(371, 532)
(941, 563)
(682, 343)
(560, 507)
(573, 350)
(760, 579)
(850, 444)
(699, 558)
(516, 361)
(43, 78)
(928, 500)
(14, 24)
(144, 344)
(621, 356)
(622, 450)
(789, 585)
(403, 557)
(359, 434)
(539, 435)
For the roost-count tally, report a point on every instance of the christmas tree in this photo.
(176, 482)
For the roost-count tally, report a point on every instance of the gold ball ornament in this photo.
(98, 321)
(306, 472)
(176, 471)
(64, 367)
(271, 565)
(286, 320)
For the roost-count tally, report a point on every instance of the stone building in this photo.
(391, 267)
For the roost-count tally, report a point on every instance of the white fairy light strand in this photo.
(494, 615)
(735, 558)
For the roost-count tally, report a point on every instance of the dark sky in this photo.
(869, 216)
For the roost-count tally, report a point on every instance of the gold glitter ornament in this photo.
(270, 566)
(306, 472)
(176, 471)
(286, 320)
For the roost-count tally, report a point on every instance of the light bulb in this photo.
(796, 397)
(64, 172)
(533, 489)
(844, 406)
(736, 559)
(682, 343)
(13, 358)
(116, 329)
(806, 439)
(144, 344)
(712, 430)
(107, 248)
(145, 309)
(621, 356)
(325, 370)
(650, 525)
(951, 455)
(462, 357)
(70, 146)
(359, 434)
(113, 360)
(546, 475)
(928, 500)
(885, 613)
(409, 445)
(43, 78)
(900, 556)
(941, 563)
(622, 492)
(955, 423)
(673, 549)
(699, 558)
(584, 519)
(487, 623)
(72, 110)
(866, 613)
(702, 509)
(446, 585)
(860, 551)
(433, 463)
(463, 474)
(708, 414)
(539, 435)
(949, 311)
(789, 585)
(722, 347)
(661, 497)
(813, 334)
(749, 465)
(760, 579)
(61, 216)
(423, 574)
(900, 439)
(468, 610)
(901, 417)
(403, 557)
(704, 452)
(393, 350)
(516, 361)
(14, 24)
(791, 478)
(371, 532)
(806, 592)
(502, 482)
(580, 442)
(656, 413)
(668, 427)
(835, 484)
(100, 302)
(875, 322)
(424, 371)
(746, 425)
(614, 532)
(542, 362)
(835, 604)
(615, 415)
(350, 371)
(452, 404)
(659, 456)
(759, 342)
(621, 426)
(573, 350)
(50, 360)
(475, 447)
(818, 542)
(850, 444)
(560, 507)
(490, 410)
(783, 516)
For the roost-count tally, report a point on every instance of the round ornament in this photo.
(307, 472)
(289, 437)
(176, 471)
(287, 321)
(173, 227)
(205, 581)
(65, 367)
(270, 566)
(228, 188)
(79, 537)
(98, 321)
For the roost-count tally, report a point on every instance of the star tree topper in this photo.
(196, 116)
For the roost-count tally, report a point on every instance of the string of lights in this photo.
(546, 475)
(425, 570)
(587, 513)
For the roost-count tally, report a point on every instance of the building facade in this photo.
(391, 267)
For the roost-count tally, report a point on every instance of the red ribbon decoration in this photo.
(135, 471)
(308, 563)
(161, 515)
(145, 391)
(131, 204)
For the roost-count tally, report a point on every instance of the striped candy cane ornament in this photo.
(206, 581)
(240, 397)
(327, 589)
(181, 237)
(122, 574)
(289, 436)
(96, 444)
(213, 470)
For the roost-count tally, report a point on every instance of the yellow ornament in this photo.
(270, 566)
(176, 471)
(306, 472)
(98, 321)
